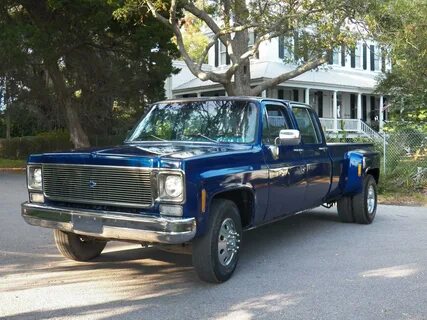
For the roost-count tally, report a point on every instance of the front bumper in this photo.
(111, 225)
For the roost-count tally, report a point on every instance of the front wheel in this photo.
(215, 254)
(365, 203)
(77, 247)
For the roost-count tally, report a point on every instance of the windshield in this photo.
(214, 121)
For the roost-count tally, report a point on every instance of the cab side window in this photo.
(306, 125)
(275, 119)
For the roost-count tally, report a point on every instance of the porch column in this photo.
(381, 114)
(307, 96)
(264, 94)
(335, 111)
(359, 111)
(199, 94)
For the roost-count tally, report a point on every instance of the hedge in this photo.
(20, 148)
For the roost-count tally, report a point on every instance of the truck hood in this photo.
(161, 154)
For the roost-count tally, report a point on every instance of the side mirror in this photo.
(289, 137)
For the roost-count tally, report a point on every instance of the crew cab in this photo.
(196, 173)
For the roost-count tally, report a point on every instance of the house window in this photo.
(336, 56)
(383, 59)
(319, 96)
(280, 94)
(295, 95)
(375, 58)
(357, 56)
(251, 42)
(373, 108)
(286, 48)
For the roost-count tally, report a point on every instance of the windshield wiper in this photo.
(202, 136)
(153, 136)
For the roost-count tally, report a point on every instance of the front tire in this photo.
(365, 203)
(215, 254)
(76, 247)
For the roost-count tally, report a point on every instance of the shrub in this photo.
(22, 147)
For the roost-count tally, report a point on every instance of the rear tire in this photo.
(216, 253)
(345, 209)
(76, 247)
(365, 202)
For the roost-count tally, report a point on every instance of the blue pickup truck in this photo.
(195, 173)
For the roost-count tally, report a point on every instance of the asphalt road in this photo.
(306, 267)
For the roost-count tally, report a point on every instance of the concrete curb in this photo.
(12, 169)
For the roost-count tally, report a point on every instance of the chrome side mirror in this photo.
(289, 137)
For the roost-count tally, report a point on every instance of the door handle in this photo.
(323, 148)
(298, 150)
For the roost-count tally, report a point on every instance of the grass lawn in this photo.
(8, 163)
(404, 198)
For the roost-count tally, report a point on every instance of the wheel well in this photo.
(375, 173)
(244, 201)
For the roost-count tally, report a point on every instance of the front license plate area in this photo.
(87, 224)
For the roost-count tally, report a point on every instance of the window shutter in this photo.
(383, 57)
(296, 46)
(365, 56)
(216, 53)
(330, 57)
(281, 47)
(353, 58)
(372, 57)
(343, 56)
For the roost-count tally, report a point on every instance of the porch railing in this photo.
(350, 125)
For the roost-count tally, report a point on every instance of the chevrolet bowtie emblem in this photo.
(92, 184)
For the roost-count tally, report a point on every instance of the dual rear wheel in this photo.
(362, 207)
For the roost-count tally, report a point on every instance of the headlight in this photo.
(171, 187)
(34, 175)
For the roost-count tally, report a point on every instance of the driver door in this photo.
(286, 167)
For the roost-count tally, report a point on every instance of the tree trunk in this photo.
(7, 124)
(77, 135)
(241, 84)
(242, 77)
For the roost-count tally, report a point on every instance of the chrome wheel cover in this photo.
(371, 199)
(228, 242)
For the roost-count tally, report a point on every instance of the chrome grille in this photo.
(119, 186)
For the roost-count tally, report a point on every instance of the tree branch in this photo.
(309, 65)
(194, 67)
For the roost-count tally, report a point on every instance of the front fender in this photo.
(217, 185)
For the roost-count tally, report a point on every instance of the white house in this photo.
(341, 91)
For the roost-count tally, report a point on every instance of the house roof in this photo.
(323, 78)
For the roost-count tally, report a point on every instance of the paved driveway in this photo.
(306, 267)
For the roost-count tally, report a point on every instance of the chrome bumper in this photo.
(111, 225)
